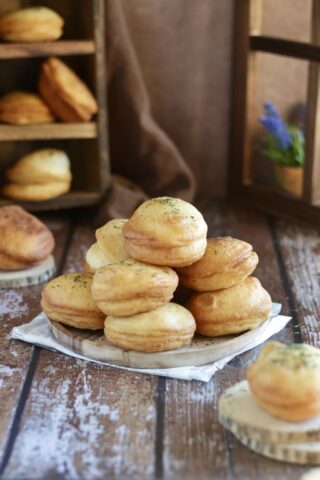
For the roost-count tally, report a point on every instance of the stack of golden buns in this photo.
(33, 24)
(40, 175)
(24, 239)
(227, 299)
(133, 280)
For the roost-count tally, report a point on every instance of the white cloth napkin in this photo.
(38, 333)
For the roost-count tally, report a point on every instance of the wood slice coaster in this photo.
(201, 351)
(293, 442)
(240, 413)
(30, 276)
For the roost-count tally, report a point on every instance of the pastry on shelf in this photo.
(24, 108)
(131, 287)
(168, 327)
(65, 93)
(33, 24)
(232, 310)
(40, 175)
(24, 239)
(166, 231)
(226, 262)
(109, 247)
(285, 380)
(67, 299)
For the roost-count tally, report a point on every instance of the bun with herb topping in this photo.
(226, 262)
(165, 328)
(67, 299)
(285, 380)
(166, 231)
(131, 287)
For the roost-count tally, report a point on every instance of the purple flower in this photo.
(276, 126)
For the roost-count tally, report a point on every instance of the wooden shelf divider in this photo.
(41, 49)
(51, 131)
(76, 198)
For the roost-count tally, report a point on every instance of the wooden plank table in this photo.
(62, 418)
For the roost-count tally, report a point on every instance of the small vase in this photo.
(289, 179)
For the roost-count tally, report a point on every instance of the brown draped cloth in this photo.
(140, 150)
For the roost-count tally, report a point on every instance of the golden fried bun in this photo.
(36, 192)
(165, 328)
(67, 299)
(166, 231)
(285, 380)
(24, 240)
(65, 93)
(23, 108)
(131, 287)
(109, 247)
(226, 262)
(41, 166)
(232, 310)
(96, 258)
(34, 24)
(111, 241)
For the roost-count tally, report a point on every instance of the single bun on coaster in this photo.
(131, 287)
(109, 247)
(232, 310)
(24, 240)
(285, 381)
(40, 175)
(34, 24)
(67, 299)
(24, 108)
(166, 231)
(166, 328)
(226, 262)
(65, 93)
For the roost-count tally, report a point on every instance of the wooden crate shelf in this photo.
(51, 131)
(86, 144)
(32, 50)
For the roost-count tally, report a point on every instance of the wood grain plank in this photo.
(69, 200)
(50, 131)
(195, 445)
(20, 306)
(61, 47)
(98, 422)
(300, 246)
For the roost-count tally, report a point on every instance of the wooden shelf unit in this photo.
(76, 198)
(60, 47)
(85, 143)
(50, 131)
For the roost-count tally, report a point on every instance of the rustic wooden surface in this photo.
(65, 418)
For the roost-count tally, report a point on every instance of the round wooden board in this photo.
(30, 276)
(201, 351)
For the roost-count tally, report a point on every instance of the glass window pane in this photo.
(276, 122)
(287, 19)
